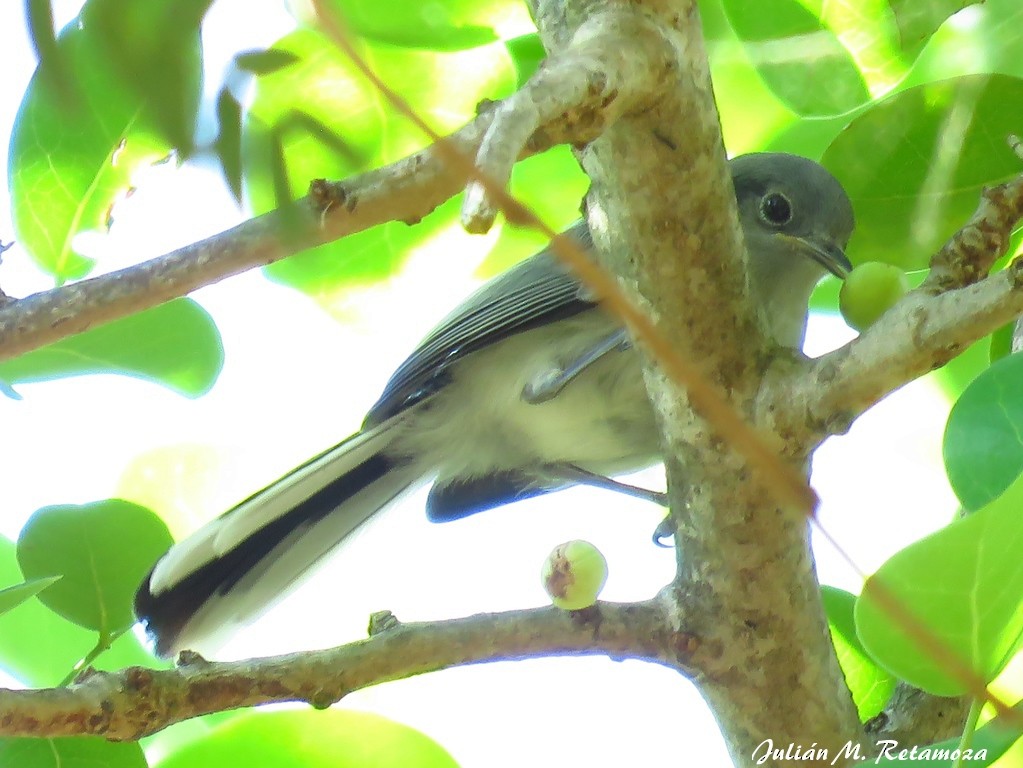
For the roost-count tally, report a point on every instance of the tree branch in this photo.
(952, 309)
(136, 702)
(405, 191)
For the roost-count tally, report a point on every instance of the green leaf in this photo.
(451, 25)
(11, 597)
(914, 164)
(964, 585)
(103, 550)
(983, 442)
(796, 54)
(1001, 342)
(995, 737)
(298, 108)
(153, 49)
(175, 344)
(77, 752)
(76, 143)
(38, 647)
(335, 737)
(526, 53)
(870, 686)
(919, 19)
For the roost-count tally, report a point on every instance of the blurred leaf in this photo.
(983, 442)
(868, 30)
(1001, 342)
(526, 53)
(335, 737)
(988, 44)
(154, 51)
(264, 62)
(796, 54)
(332, 123)
(437, 25)
(103, 550)
(72, 155)
(76, 752)
(919, 19)
(914, 164)
(870, 686)
(551, 184)
(965, 585)
(13, 596)
(175, 344)
(228, 146)
(184, 483)
(38, 647)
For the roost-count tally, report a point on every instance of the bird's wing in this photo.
(535, 292)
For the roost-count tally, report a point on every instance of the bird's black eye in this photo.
(775, 209)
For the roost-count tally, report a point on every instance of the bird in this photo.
(527, 387)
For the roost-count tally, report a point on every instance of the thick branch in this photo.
(662, 204)
(915, 717)
(136, 702)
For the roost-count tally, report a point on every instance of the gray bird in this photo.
(526, 388)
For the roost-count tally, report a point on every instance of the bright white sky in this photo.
(289, 391)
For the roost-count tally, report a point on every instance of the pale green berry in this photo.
(573, 575)
(869, 291)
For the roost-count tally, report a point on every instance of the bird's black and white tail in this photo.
(230, 571)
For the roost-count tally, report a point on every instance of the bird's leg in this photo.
(664, 530)
(576, 474)
(548, 384)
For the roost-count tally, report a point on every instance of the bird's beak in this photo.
(824, 252)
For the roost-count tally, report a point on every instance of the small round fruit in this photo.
(869, 291)
(573, 575)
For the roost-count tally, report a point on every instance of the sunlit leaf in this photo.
(72, 155)
(184, 484)
(438, 25)
(798, 57)
(870, 686)
(176, 345)
(102, 550)
(964, 584)
(77, 752)
(915, 163)
(335, 737)
(919, 19)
